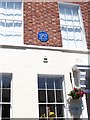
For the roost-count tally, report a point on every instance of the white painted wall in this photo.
(25, 65)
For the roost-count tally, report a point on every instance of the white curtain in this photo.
(11, 26)
(14, 14)
(3, 13)
(64, 30)
(70, 26)
(70, 31)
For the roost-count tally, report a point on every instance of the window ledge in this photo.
(24, 47)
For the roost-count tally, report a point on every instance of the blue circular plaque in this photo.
(43, 36)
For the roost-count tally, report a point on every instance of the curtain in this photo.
(70, 26)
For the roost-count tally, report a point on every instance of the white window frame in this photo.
(64, 103)
(1, 88)
(84, 46)
(11, 41)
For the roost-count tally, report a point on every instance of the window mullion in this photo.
(14, 5)
(73, 26)
(1, 98)
(55, 99)
(46, 90)
(66, 27)
(54, 92)
(46, 97)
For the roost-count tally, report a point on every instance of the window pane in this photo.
(0, 4)
(68, 11)
(5, 110)
(6, 82)
(0, 83)
(64, 30)
(50, 83)
(69, 16)
(87, 73)
(88, 95)
(70, 31)
(72, 42)
(51, 96)
(18, 5)
(4, 5)
(76, 18)
(82, 82)
(10, 5)
(0, 95)
(62, 16)
(41, 83)
(59, 95)
(75, 11)
(9, 23)
(52, 107)
(5, 95)
(0, 110)
(42, 110)
(17, 24)
(42, 96)
(60, 110)
(65, 42)
(2, 23)
(58, 83)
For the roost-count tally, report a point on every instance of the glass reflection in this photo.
(5, 95)
(50, 83)
(10, 5)
(41, 83)
(6, 83)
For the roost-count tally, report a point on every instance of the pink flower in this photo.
(76, 93)
(75, 88)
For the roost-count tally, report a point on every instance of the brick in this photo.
(40, 16)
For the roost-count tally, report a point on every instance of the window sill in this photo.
(23, 46)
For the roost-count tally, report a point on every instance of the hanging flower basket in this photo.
(76, 93)
(75, 102)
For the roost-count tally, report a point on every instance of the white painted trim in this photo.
(24, 47)
(81, 25)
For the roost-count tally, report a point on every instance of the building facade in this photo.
(44, 49)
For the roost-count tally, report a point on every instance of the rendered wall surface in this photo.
(25, 65)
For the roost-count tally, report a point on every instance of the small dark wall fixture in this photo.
(45, 59)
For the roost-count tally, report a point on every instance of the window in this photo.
(72, 29)
(85, 85)
(51, 93)
(5, 95)
(11, 26)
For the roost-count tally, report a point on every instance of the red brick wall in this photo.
(42, 16)
(85, 8)
(45, 16)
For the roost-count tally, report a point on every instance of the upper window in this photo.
(11, 18)
(72, 29)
